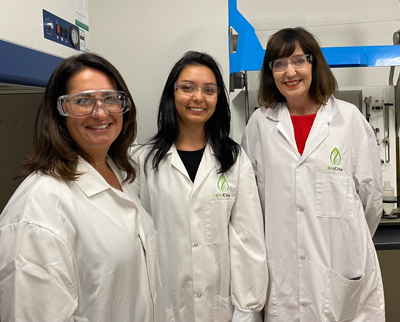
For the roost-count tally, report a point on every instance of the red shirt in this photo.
(302, 125)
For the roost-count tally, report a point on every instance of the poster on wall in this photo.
(82, 14)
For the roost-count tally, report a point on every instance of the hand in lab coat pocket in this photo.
(342, 299)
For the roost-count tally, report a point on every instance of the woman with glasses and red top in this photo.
(199, 187)
(318, 172)
(76, 243)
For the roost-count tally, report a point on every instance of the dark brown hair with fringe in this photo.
(282, 44)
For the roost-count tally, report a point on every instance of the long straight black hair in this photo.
(216, 129)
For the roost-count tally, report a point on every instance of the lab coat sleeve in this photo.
(37, 280)
(251, 145)
(368, 175)
(247, 148)
(138, 168)
(136, 185)
(246, 316)
(249, 276)
(140, 183)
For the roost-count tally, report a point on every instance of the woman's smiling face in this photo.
(294, 84)
(95, 133)
(196, 109)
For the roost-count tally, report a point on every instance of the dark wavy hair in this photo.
(282, 44)
(216, 129)
(54, 152)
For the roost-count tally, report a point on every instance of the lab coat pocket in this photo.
(271, 307)
(342, 297)
(223, 309)
(334, 196)
(217, 216)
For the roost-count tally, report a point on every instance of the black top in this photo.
(191, 160)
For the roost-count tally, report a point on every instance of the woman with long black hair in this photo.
(199, 187)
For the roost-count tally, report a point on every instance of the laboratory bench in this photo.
(387, 244)
(387, 236)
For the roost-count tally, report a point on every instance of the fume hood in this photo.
(33, 41)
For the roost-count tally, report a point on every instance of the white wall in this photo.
(143, 39)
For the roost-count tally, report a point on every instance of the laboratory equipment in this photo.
(388, 198)
(33, 41)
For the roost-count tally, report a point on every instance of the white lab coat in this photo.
(321, 209)
(78, 251)
(212, 249)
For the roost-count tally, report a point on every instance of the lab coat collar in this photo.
(319, 130)
(176, 160)
(207, 163)
(330, 110)
(173, 149)
(274, 113)
(280, 114)
(91, 182)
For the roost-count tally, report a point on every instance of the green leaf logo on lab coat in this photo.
(222, 184)
(336, 158)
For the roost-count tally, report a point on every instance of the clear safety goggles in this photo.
(298, 61)
(190, 89)
(86, 103)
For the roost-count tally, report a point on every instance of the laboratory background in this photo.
(143, 39)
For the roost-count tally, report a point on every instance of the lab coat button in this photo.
(153, 294)
(301, 209)
(304, 304)
(199, 295)
(303, 257)
(195, 244)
